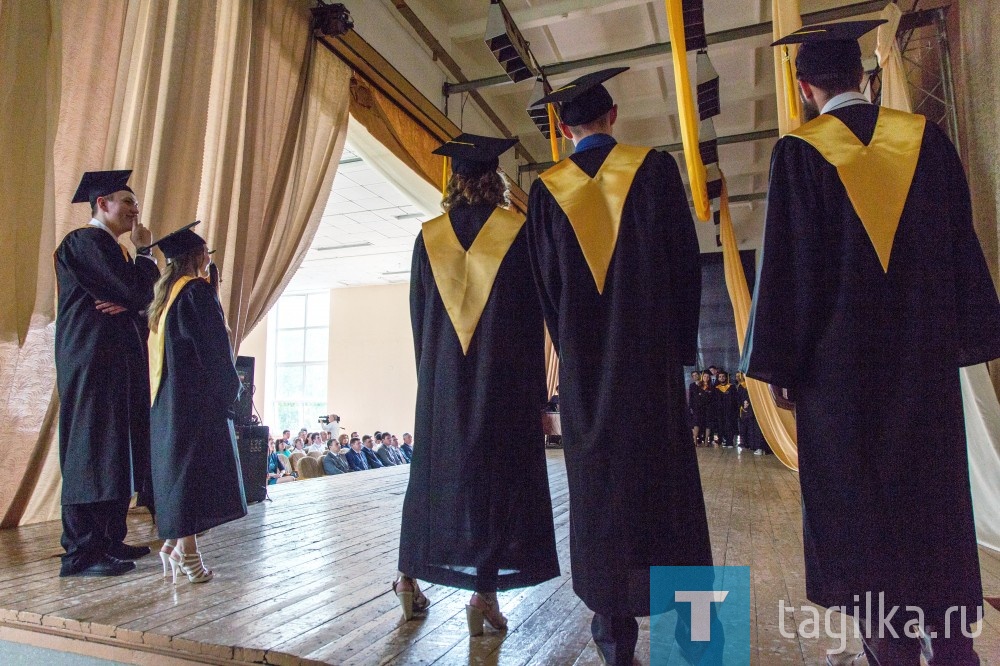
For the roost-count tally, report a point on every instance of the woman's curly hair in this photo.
(489, 188)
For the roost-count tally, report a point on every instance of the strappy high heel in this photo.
(410, 601)
(191, 565)
(165, 551)
(483, 607)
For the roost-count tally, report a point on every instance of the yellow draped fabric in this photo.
(778, 425)
(465, 278)
(786, 18)
(155, 342)
(594, 205)
(890, 157)
(895, 90)
(553, 138)
(686, 111)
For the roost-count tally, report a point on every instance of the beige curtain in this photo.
(786, 18)
(551, 365)
(895, 91)
(223, 110)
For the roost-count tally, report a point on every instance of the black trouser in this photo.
(615, 637)
(89, 530)
(951, 648)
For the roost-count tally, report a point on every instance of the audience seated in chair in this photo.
(368, 450)
(310, 468)
(356, 458)
(406, 448)
(384, 450)
(333, 461)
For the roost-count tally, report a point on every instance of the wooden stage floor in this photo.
(305, 579)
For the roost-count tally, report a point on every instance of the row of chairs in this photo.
(306, 465)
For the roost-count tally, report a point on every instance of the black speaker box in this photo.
(251, 442)
(244, 406)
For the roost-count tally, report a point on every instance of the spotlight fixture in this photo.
(708, 142)
(540, 115)
(507, 43)
(694, 24)
(708, 87)
(331, 18)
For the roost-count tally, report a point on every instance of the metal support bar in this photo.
(941, 20)
(673, 147)
(663, 48)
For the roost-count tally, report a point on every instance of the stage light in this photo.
(708, 142)
(708, 87)
(540, 115)
(507, 43)
(694, 24)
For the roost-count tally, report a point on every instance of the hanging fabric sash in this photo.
(878, 176)
(156, 339)
(465, 278)
(594, 205)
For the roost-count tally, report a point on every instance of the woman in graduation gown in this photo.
(477, 513)
(196, 473)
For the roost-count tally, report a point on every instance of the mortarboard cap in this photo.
(830, 47)
(179, 242)
(100, 184)
(473, 155)
(584, 99)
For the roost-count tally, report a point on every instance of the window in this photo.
(302, 338)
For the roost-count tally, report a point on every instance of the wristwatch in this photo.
(144, 251)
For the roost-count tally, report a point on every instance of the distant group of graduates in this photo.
(719, 412)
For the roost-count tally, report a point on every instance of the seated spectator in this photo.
(276, 471)
(400, 458)
(407, 446)
(384, 450)
(315, 444)
(344, 442)
(299, 445)
(368, 449)
(333, 461)
(282, 447)
(356, 460)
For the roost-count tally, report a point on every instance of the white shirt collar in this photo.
(94, 222)
(844, 99)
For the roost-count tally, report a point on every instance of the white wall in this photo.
(373, 378)
(255, 345)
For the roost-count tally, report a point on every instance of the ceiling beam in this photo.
(759, 135)
(547, 14)
(663, 48)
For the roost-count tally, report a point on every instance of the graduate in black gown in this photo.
(870, 258)
(477, 513)
(616, 263)
(100, 360)
(196, 470)
(726, 409)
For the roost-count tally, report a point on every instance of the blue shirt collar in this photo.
(595, 141)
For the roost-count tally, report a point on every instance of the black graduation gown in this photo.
(701, 401)
(635, 491)
(478, 496)
(884, 469)
(100, 365)
(726, 409)
(197, 481)
(751, 436)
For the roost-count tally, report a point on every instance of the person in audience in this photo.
(353, 435)
(299, 445)
(287, 436)
(196, 479)
(368, 449)
(471, 519)
(407, 446)
(315, 443)
(345, 442)
(384, 450)
(275, 464)
(727, 412)
(333, 462)
(281, 446)
(401, 459)
(356, 460)
(324, 437)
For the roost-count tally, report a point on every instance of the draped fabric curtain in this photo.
(895, 90)
(778, 425)
(551, 365)
(191, 95)
(786, 18)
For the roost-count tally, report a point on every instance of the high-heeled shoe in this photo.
(165, 551)
(484, 607)
(191, 565)
(411, 601)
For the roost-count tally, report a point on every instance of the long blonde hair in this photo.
(185, 264)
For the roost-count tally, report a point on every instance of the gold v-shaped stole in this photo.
(594, 205)
(878, 176)
(157, 340)
(465, 279)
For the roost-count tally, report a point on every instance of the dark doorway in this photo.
(717, 326)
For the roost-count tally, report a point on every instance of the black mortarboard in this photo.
(179, 242)
(473, 155)
(100, 184)
(584, 99)
(830, 47)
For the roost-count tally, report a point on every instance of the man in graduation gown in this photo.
(870, 258)
(615, 257)
(100, 370)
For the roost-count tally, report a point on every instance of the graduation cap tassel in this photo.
(791, 95)
(553, 138)
(444, 178)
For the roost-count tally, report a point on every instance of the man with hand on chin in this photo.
(102, 376)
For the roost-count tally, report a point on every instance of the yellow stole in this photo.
(465, 278)
(156, 339)
(594, 205)
(878, 176)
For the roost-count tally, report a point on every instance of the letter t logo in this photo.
(701, 606)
